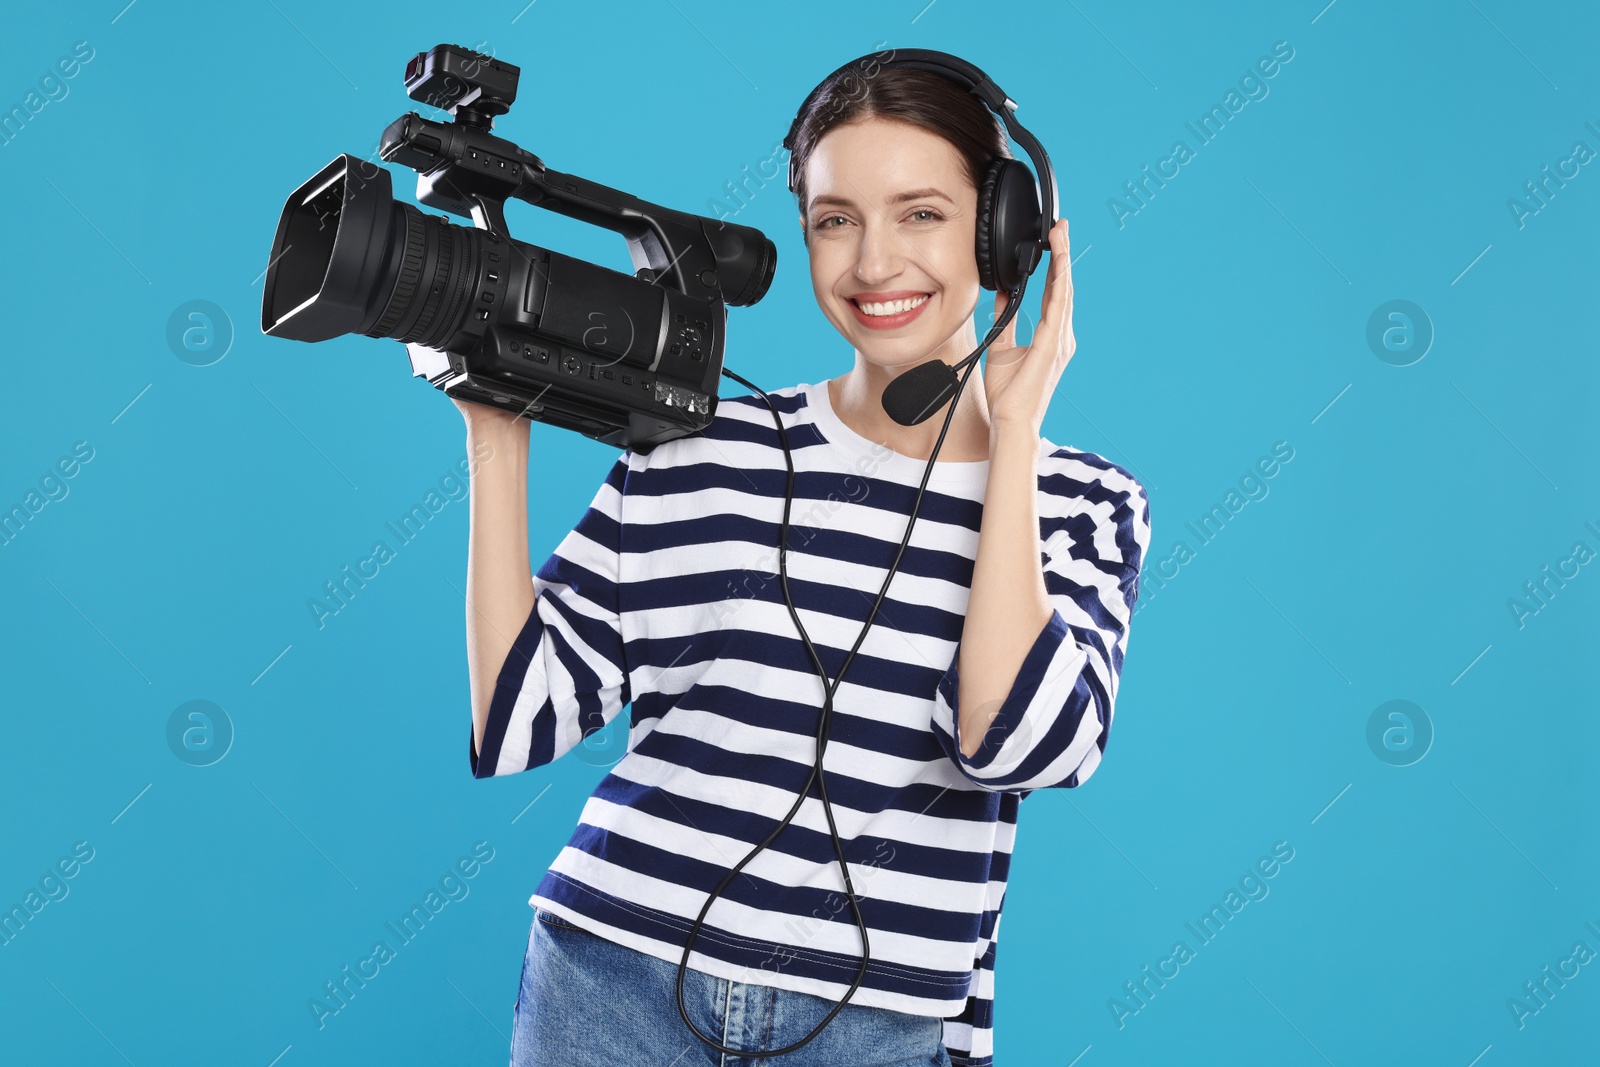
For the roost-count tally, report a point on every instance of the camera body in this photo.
(630, 360)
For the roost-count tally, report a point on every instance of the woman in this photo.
(991, 668)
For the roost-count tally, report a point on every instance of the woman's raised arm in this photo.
(500, 593)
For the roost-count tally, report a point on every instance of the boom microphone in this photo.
(916, 394)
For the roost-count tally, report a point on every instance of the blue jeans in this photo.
(585, 1001)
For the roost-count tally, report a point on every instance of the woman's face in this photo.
(891, 220)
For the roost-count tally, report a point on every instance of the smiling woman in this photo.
(888, 185)
(892, 264)
(861, 924)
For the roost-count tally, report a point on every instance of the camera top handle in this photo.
(465, 169)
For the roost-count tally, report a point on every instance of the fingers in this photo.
(1056, 317)
(1066, 272)
(1008, 336)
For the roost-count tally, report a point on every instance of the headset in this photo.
(1013, 231)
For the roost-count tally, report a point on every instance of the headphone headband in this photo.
(974, 81)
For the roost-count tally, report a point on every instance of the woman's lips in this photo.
(888, 322)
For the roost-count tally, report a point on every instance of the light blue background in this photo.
(1228, 314)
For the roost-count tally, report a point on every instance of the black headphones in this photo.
(1012, 233)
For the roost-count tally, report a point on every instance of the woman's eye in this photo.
(920, 215)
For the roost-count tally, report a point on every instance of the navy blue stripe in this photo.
(922, 859)
(542, 740)
(1091, 459)
(1012, 708)
(807, 962)
(844, 793)
(810, 487)
(1094, 639)
(599, 634)
(762, 431)
(781, 652)
(704, 872)
(824, 539)
(1086, 597)
(799, 717)
(786, 405)
(508, 684)
(593, 587)
(1122, 513)
(1049, 748)
(725, 593)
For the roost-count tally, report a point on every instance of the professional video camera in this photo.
(629, 361)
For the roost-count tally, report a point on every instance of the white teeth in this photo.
(892, 307)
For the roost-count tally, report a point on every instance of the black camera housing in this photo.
(627, 360)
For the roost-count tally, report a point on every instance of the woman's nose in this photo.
(880, 254)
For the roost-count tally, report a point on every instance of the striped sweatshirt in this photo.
(666, 598)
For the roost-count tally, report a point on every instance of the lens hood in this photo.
(328, 255)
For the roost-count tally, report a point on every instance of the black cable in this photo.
(1014, 301)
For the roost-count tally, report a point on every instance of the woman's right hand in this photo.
(484, 417)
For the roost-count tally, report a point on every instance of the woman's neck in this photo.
(857, 399)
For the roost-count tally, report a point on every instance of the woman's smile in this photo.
(888, 311)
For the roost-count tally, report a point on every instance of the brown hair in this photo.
(908, 94)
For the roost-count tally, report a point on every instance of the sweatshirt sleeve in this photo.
(1052, 726)
(565, 676)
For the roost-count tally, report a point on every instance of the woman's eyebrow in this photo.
(898, 198)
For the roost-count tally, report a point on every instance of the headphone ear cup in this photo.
(986, 214)
(1009, 220)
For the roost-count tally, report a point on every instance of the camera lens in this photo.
(347, 258)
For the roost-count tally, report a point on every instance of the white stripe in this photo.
(773, 802)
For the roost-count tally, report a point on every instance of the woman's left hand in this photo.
(1019, 380)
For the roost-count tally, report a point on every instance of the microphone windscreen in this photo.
(919, 392)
